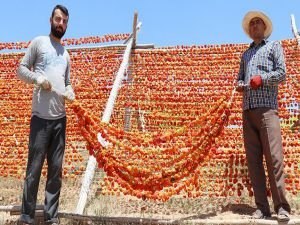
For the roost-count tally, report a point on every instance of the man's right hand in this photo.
(240, 86)
(43, 82)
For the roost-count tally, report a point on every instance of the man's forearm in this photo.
(26, 74)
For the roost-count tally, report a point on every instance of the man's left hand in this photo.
(69, 94)
(255, 82)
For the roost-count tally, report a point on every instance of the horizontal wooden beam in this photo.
(16, 209)
(118, 220)
(138, 46)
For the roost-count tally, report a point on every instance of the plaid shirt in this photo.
(266, 60)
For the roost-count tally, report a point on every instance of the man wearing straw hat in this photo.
(262, 68)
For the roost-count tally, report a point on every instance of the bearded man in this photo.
(46, 65)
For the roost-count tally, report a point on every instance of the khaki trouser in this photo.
(262, 137)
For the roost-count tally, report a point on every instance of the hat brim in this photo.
(253, 14)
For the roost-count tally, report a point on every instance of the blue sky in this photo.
(164, 22)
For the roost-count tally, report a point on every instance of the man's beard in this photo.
(57, 33)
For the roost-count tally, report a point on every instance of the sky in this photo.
(164, 22)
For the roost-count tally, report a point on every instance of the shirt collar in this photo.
(263, 42)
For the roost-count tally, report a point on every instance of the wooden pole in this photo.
(294, 29)
(134, 28)
(127, 116)
(91, 166)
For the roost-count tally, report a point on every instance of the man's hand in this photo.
(69, 93)
(240, 86)
(43, 82)
(255, 82)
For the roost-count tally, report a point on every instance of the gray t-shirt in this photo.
(49, 58)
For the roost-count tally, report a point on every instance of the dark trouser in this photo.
(262, 137)
(47, 138)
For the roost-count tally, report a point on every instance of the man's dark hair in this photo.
(61, 8)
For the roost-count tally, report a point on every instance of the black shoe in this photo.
(283, 215)
(258, 214)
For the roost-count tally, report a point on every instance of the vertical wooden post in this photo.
(91, 166)
(135, 29)
(294, 29)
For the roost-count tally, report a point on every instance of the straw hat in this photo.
(252, 14)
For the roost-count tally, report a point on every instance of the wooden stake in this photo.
(91, 166)
(294, 29)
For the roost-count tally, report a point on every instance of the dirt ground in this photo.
(177, 210)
